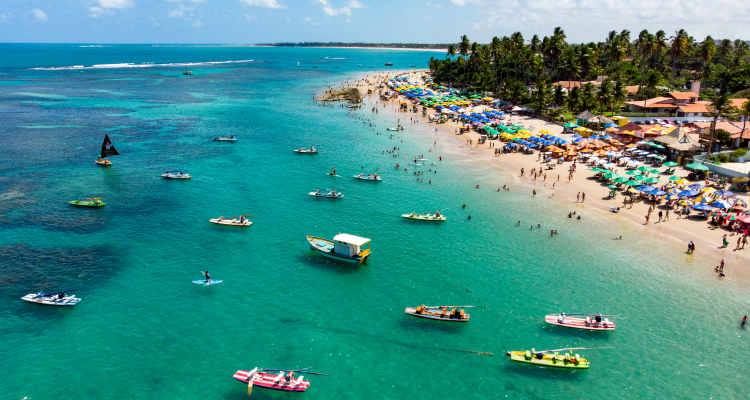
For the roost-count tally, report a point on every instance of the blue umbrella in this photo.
(611, 125)
(724, 193)
(696, 186)
(671, 197)
(702, 207)
(645, 188)
(688, 193)
(576, 136)
(658, 192)
(721, 204)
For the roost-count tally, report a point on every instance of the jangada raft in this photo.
(306, 150)
(549, 358)
(425, 217)
(343, 247)
(234, 221)
(368, 177)
(87, 202)
(332, 194)
(175, 175)
(107, 150)
(443, 313)
(591, 322)
(53, 299)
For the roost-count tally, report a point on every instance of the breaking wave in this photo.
(142, 65)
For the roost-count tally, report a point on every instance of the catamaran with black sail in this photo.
(108, 150)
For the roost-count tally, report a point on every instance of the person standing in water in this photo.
(744, 321)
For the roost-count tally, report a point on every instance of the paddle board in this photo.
(328, 173)
(211, 282)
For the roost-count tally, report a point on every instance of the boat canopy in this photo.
(351, 239)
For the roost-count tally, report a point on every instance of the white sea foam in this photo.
(141, 65)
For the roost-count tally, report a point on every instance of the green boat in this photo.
(87, 202)
(549, 358)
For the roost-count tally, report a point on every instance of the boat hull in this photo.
(364, 178)
(230, 222)
(412, 312)
(268, 381)
(51, 301)
(326, 196)
(224, 140)
(423, 218)
(86, 204)
(579, 323)
(170, 176)
(103, 163)
(325, 246)
(549, 360)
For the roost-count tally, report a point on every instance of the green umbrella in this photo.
(620, 179)
(655, 171)
(633, 172)
(612, 187)
(674, 178)
(656, 146)
(653, 179)
(598, 170)
(640, 177)
(570, 125)
(633, 183)
(644, 168)
(698, 167)
(610, 175)
(670, 164)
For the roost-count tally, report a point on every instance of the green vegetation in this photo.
(345, 44)
(738, 153)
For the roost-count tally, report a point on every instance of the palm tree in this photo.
(463, 48)
(650, 82)
(451, 53)
(744, 112)
(619, 94)
(725, 49)
(679, 48)
(721, 107)
(604, 96)
(558, 96)
(542, 96)
(575, 103)
(707, 50)
(496, 48)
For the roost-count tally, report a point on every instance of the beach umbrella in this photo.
(717, 213)
(610, 165)
(741, 179)
(702, 207)
(721, 204)
(598, 170)
(696, 186)
(620, 179)
(610, 175)
(697, 167)
(684, 203)
(674, 178)
(631, 190)
(689, 193)
(670, 164)
(644, 168)
(639, 177)
(682, 181)
(652, 179)
(739, 202)
(645, 188)
(632, 183)
(658, 192)
(724, 193)
(655, 171)
(671, 196)
(633, 172)
(612, 187)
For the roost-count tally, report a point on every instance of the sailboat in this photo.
(107, 150)
(298, 63)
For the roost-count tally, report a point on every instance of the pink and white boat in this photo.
(591, 322)
(271, 381)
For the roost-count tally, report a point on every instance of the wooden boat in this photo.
(276, 381)
(107, 150)
(343, 247)
(443, 313)
(306, 150)
(549, 358)
(87, 202)
(225, 139)
(175, 175)
(53, 299)
(388, 64)
(368, 177)
(235, 221)
(333, 194)
(591, 322)
(425, 217)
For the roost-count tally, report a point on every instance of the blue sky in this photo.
(256, 21)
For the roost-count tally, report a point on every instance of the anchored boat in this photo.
(425, 217)
(591, 322)
(234, 221)
(53, 299)
(187, 73)
(368, 177)
(306, 150)
(107, 150)
(400, 128)
(276, 379)
(225, 139)
(87, 202)
(443, 313)
(332, 194)
(549, 358)
(175, 175)
(343, 247)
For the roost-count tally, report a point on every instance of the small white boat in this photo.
(175, 175)
(306, 150)
(332, 194)
(225, 139)
(298, 63)
(416, 164)
(236, 221)
(368, 177)
(591, 322)
(343, 247)
(54, 299)
(424, 217)
(400, 128)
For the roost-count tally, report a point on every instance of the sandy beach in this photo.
(678, 231)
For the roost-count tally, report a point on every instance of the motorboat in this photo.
(591, 322)
(424, 217)
(271, 379)
(225, 139)
(343, 247)
(332, 194)
(306, 150)
(187, 73)
(175, 175)
(368, 177)
(53, 299)
(235, 221)
(549, 358)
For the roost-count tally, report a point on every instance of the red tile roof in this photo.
(683, 95)
(693, 108)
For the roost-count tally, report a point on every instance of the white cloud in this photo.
(434, 5)
(115, 3)
(39, 14)
(192, 1)
(355, 4)
(310, 21)
(155, 22)
(5, 17)
(250, 17)
(330, 10)
(263, 3)
(176, 14)
(197, 24)
(462, 3)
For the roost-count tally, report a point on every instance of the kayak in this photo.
(423, 217)
(549, 359)
(211, 282)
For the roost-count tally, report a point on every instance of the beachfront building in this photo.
(680, 104)
(680, 145)
(733, 128)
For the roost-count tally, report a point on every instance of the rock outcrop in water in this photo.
(352, 95)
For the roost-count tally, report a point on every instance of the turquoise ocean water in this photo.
(144, 331)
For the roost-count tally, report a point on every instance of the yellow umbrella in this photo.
(684, 203)
(631, 190)
(741, 179)
(545, 132)
(682, 182)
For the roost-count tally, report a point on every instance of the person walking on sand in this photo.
(744, 242)
(724, 241)
(721, 266)
(521, 171)
(647, 217)
(534, 193)
(739, 240)
(690, 247)
(578, 197)
(660, 215)
(583, 197)
(666, 215)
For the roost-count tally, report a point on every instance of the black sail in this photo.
(107, 148)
